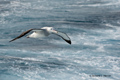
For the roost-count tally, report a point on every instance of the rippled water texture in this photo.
(92, 25)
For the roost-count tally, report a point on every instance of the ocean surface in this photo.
(92, 25)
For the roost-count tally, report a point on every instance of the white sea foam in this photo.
(98, 4)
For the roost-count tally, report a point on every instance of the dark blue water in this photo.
(92, 25)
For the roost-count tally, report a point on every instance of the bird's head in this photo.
(50, 29)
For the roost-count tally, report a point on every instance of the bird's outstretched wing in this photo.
(21, 35)
(64, 36)
(26, 32)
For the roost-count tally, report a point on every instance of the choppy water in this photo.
(92, 25)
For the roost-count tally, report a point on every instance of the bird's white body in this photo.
(35, 35)
(40, 33)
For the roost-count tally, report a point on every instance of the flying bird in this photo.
(43, 32)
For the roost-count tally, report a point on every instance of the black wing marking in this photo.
(21, 35)
(64, 36)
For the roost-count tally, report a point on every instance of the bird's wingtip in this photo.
(12, 40)
(68, 41)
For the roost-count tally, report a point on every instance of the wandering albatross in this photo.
(43, 32)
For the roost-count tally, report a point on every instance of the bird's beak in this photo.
(55, 31)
